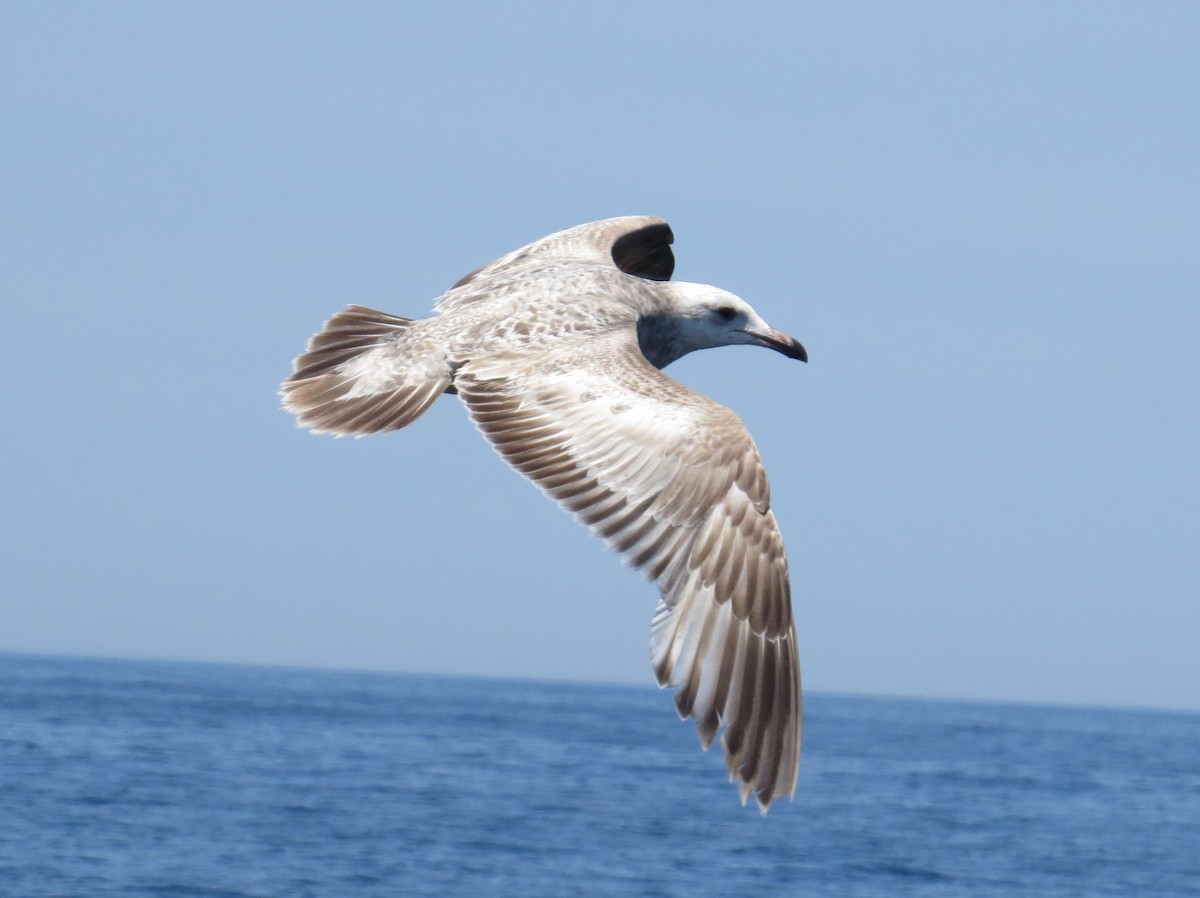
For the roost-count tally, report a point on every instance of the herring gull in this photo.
(556, 351)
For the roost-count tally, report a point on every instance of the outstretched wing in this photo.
(636, 244)
(673, 481)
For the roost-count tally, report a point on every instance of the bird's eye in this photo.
(727, 313)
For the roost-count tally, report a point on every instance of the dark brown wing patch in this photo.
(646, 252)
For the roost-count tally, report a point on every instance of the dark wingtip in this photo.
(646, 252)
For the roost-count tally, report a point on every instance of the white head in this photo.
(697, 316)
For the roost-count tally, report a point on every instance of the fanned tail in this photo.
(357, 377)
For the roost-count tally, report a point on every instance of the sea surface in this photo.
(167, 779)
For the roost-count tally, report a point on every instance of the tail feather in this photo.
(357, 377)
(344, 336)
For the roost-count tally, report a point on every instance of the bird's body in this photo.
(555, 349)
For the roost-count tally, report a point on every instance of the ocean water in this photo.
(161, 779)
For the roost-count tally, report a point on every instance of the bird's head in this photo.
(703, 317)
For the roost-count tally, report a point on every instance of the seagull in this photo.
(556, 349)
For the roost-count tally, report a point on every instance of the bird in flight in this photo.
(556, 349)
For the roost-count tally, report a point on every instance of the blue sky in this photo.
(982, 221)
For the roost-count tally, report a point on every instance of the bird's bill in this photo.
(780, 342)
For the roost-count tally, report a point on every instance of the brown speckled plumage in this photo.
(555, 349)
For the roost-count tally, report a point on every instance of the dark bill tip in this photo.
(781, 342)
